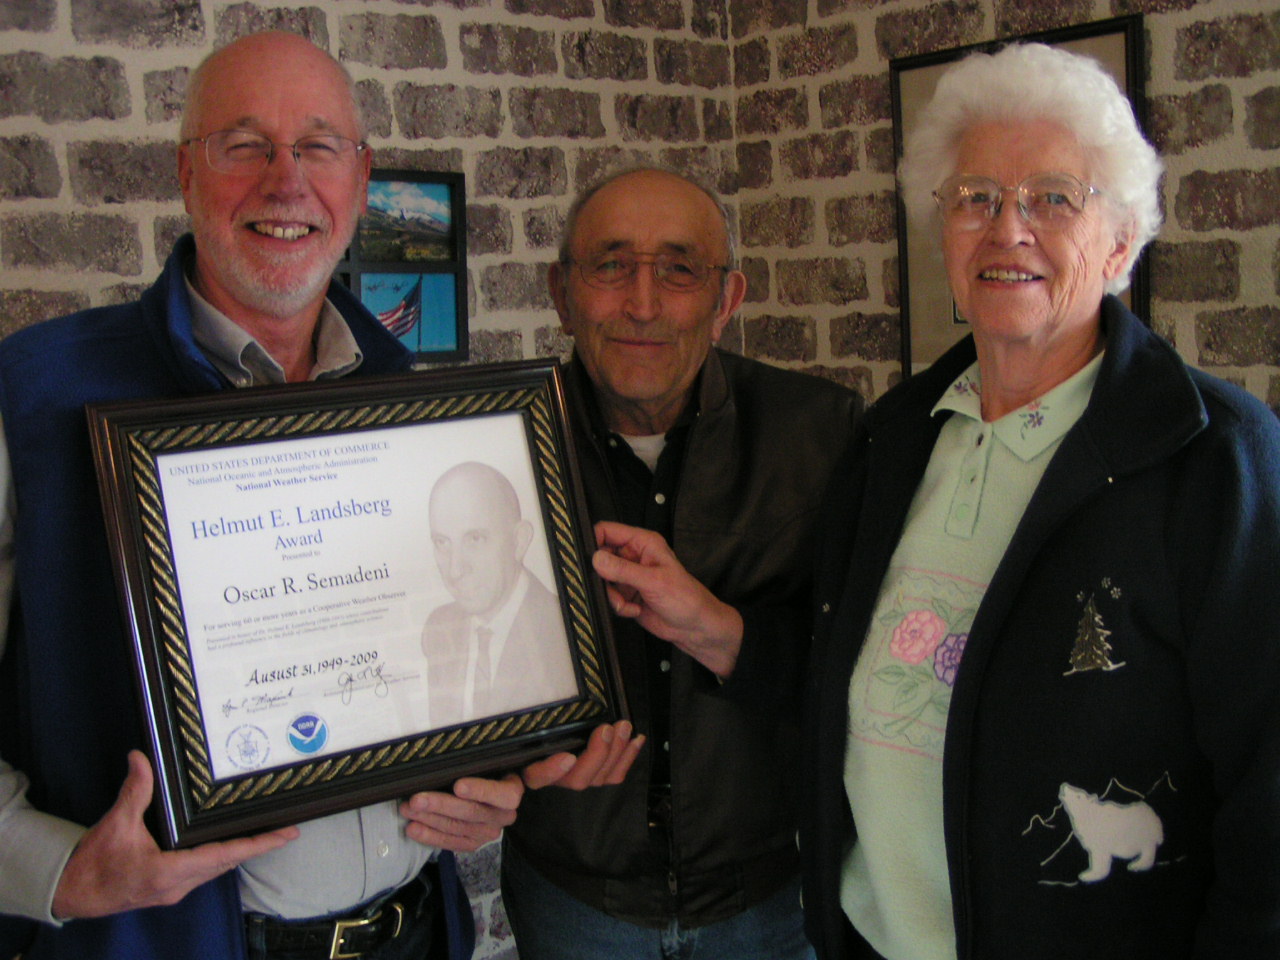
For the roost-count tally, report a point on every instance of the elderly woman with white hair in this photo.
(1044, 705)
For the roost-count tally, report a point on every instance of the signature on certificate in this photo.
(259, 701)
(369, 677)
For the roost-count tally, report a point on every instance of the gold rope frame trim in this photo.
(145, 444)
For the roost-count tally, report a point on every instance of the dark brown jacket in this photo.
(757, 461)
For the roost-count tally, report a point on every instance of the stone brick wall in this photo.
(782, 104)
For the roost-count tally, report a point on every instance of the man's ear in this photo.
(734, 292)
(185, 171)
(523, 537)
(558, 287)
(366, 168)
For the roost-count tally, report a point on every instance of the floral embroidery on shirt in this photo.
(946, 659)
(1032, 416)
(966, 386)
(917, 635)
(921, 634)
(917, 644)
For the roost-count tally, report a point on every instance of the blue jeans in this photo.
(550, 924)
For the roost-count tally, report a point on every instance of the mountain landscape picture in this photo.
(407, 222)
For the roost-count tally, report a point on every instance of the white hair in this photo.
(1032, 81)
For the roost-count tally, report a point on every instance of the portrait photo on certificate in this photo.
(352, 592)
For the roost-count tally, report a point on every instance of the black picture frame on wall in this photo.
(408, 260)
(930, 323)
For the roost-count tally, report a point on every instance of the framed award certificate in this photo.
(345, 593)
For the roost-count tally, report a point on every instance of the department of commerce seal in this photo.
(248, 747)
(308, 733)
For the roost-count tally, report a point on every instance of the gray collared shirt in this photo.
(244, 361)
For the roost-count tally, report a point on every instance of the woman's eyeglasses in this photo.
(1048, 200)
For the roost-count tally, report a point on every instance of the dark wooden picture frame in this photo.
(148, 453)
(408, 260)
(929, 320)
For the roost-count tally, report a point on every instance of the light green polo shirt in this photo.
(978, 482)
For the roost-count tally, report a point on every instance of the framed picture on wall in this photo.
(930, 321)
(408, 260)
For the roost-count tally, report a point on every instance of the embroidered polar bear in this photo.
(1106, 830)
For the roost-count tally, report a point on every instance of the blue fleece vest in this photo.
(68, 715)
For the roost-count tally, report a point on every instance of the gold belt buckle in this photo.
(340, 928)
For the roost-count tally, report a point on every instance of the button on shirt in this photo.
(977, 485)
(646, 474)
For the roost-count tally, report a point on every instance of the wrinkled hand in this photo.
(117, 866)
(473, 815)
(646, 582)
(605, 762)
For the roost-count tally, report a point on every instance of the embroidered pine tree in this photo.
(1091, 650)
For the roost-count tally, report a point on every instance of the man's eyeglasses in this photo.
(1047, 200)
(242, 153)
(672, 271)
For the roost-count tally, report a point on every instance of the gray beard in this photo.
(274, 299)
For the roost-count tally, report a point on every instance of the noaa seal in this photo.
(308, 733)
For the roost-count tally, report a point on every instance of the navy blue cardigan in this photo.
(1164, 502)
(67, 710)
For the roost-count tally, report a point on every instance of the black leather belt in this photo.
(340, 938)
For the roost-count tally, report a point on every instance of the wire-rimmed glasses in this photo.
(243, 153)
(677, 272)
(1047, 200)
